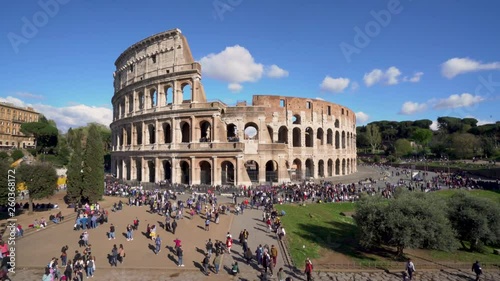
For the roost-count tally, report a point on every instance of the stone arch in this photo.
(329, 137)
(169, 94)
(205, 131)
(185, 172)
(205, 172)
(309, 137)
(330, 168)
(252, 168)
(271, 133)
(151, 171)
(227, 173)
(343, 139)
(297, 138)
(272, 171)
(337, 167)
(283, 134)
(167, 170)
(297, 166)
(320, 136)
(321, 168)
(128, 131)
(138, 135)
(343, 166)
(138, 169)
(167, 133)
(251, 131)
(309, 168)
(231, 132)
(185, 132)
(151, 134)
(187, 92)
(296, 120)
(153, 98)
(337, 140)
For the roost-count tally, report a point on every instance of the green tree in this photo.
(75, 173)
(412, 220)
(476, 220)
(45, 133)
(373, 136)
(40, 180)
(4, 155)
(402, 147)
(464, 145)
(17, 154)
(422, 137)
(93, 166)
(4, 182)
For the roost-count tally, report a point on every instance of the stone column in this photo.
(194, 136)
(157, 132)
(157, 170)
(215, 172)
(143, 135)
(118, 168)
(174, 130)
(262, 170)
(195, 175)
(174, 164)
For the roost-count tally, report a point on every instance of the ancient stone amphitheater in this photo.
(165, 130)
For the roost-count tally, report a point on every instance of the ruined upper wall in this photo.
(165, 53)
(314, 107)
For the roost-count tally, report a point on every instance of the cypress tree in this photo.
(93, 166)
(75, 176)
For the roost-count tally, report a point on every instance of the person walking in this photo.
(281, 274)
(111, 232)
(121, 254)
(210, 247)
(274, 254)
(410, 268)
(158, 244)
(206, 263)
(308, 270)
(207, 224)
(130, 230)
(476, 268)
(90, 267)
(216, 262)
(114, 256)
(180, 254)
(174, 226)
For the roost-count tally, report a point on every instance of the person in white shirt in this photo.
(281, 233)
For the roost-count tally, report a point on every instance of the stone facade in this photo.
(11, 118)
(165, 129)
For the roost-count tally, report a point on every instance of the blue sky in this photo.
(386, 60)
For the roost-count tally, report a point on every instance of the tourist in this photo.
(229, 244)
(281, 274)
(121, 254)
(111, 232)
(130, 231)
(90, 267)
(207, 224)
(206, 262)
(274, 254)
(216, 262)
(47, 276)
(64, 255)
(476, 268)
(177, 243)
(410, 268)
(308, 270)
(68, 271)
(158, 244)
(174, 226)
(180, 254)
(114, 256)
(235, 268)
(248, 255)
(281, 233)
(210, 247)
(19, 231)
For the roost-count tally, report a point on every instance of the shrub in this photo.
(17, 154)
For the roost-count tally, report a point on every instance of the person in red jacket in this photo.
(309, 269)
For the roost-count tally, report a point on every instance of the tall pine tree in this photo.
(93, 166)
(75, 175)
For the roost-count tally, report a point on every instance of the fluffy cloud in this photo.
(275, 71)
(236, 65)
(389, 77)
(29, 95)
(456, 101)
(410, 107)
(434, 126)
(361, 117)
(70, 116)
(235, 87)
(457, 66)
(415, 78)
(334, 85)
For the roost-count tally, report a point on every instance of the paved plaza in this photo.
(37, 248)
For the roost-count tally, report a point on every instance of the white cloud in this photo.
(457, 66)
(28, 95)
(389, 77)
(434, 126)
(456, 101)
(70, 116)
(234, 65)
(484, 122)
(410, 107)
(334, 85)
(318, 98)
(235, 87)
(275, 71)
(361, 117)
(415, 78)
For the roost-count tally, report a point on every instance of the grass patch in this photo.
(493, 195)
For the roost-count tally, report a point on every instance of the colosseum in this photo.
(165, 130)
